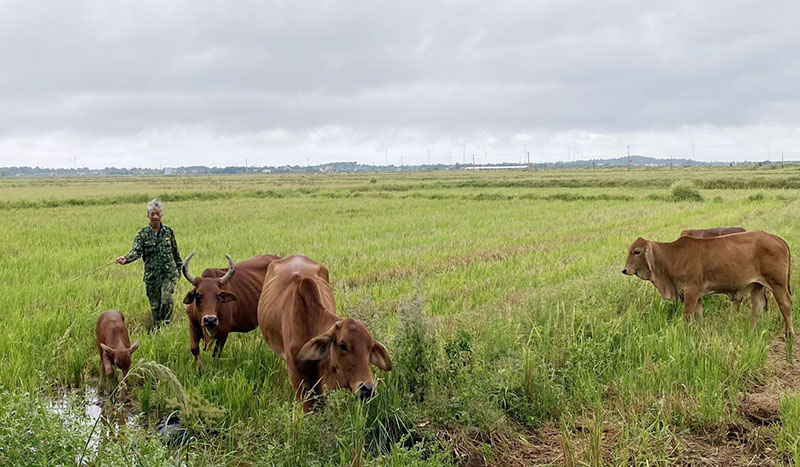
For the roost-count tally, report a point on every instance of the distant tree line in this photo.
(352, 167)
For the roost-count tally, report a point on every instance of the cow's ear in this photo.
(316, 349)
(189, 298)
(107, 349)
(134, 346)
(649, 257)
(225, 296)
(310, 293)
(380, 357)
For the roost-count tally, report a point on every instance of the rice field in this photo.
(514, 337)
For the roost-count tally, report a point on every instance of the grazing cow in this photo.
(114, 346)
(297, 316)
(736, 300)
(690, 268)
(223, 301)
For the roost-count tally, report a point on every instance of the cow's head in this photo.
(121, 358)
(207, 295)
(640, 259)
(348, 349)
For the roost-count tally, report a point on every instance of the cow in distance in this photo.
(690, 268)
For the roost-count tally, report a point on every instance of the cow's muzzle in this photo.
(366, 390)
(210, 321)
(625, 271)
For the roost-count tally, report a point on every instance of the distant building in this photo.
(496, 167)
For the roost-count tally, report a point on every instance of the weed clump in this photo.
(756, 197)
(415, 349)
(685, 190)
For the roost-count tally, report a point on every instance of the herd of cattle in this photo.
(291, 301)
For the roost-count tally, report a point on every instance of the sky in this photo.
(267, 83)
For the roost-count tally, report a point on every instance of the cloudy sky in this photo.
(165, 83)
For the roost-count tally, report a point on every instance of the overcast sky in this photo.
(164, 83)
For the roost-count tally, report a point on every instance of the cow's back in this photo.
(282, 318)
(711, 233)
(111, 330)
(730, 259)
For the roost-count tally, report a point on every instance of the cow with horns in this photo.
(223, 301)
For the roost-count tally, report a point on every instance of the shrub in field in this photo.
(415, 349)
(756, 197)
(685, 190)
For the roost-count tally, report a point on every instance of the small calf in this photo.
(114, 346)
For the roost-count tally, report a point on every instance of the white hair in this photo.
(155, 205)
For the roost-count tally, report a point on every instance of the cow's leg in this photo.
(784, 299)
(107, 371)
(305, 389)
(221, 339)
(758, 303)
(194, 339)
(735, 301)
(691, 302)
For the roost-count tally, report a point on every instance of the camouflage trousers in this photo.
(159, 293)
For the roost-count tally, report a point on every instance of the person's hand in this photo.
(121, 260)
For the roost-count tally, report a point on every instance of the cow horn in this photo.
(188, 275)
(231, 269)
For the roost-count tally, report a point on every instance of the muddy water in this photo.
(95, 414)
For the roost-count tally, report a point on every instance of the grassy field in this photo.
(515, 339)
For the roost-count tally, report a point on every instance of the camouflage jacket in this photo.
(159, 253)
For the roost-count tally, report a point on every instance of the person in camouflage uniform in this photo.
(157, 247)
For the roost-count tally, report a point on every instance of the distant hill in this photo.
(351, 167)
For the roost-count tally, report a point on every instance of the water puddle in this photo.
(99, 417)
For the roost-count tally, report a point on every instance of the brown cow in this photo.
(690, 268)
(223, 301)
(297, 316)
(114, 346)
(718, 232)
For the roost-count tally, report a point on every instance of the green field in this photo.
(515, 339)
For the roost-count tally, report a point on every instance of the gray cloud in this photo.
(140, 83)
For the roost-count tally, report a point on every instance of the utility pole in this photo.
(473, 162)
(525, 151)
(245, 165)
(401, 162)
(629, 157)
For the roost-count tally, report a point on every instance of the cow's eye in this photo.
(343, 346)
(198, 299)
(637, 253)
